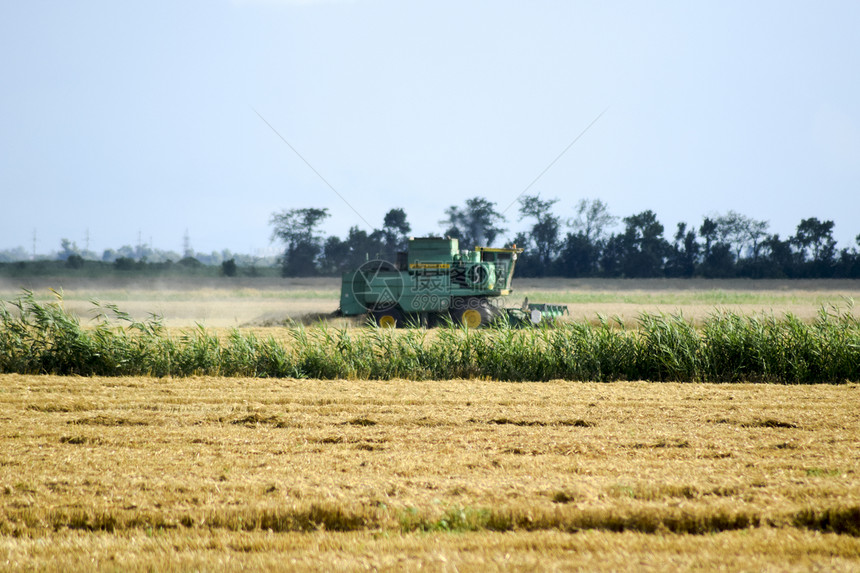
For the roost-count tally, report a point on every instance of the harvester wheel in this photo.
(471, 317)
(476, 312)
(391, 318)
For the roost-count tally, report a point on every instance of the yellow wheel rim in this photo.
(387, 321)
(472, 318)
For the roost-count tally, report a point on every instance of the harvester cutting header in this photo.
(434, 281)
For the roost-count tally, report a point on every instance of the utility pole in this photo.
(186, 245)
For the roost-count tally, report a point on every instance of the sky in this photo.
(129, 122)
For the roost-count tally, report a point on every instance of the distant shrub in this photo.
(228, 268)
(74, 262)
(125, 264)
(190, 262)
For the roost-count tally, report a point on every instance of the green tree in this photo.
(580, 250)
(545, 232)
(228, 268)
(298, 230)
(741, 232)
(67, 249)
(612, 255)
(341, 255)
(717, 260)
(394, 233)
(816, 247)
(684, 254)
(815, 238)
(849, 262)
(477, 224)
(644, 248)
(74, 262)
(708, 231)
(720, 263)
(778, 259)
(592, 220)
(579, 256)
(756, 234)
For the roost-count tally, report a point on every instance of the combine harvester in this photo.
(433, 282)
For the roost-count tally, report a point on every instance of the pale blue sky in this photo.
(121, 118)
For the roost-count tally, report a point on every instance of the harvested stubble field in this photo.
(224, 473)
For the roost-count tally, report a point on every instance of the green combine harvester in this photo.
(434, 282)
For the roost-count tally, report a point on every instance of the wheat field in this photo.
(227, 473)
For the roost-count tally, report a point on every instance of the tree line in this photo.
(130, 257)
(585, 245)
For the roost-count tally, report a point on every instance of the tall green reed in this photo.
(37, 338)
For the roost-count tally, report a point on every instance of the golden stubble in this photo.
(199, 459)
(219, 550)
